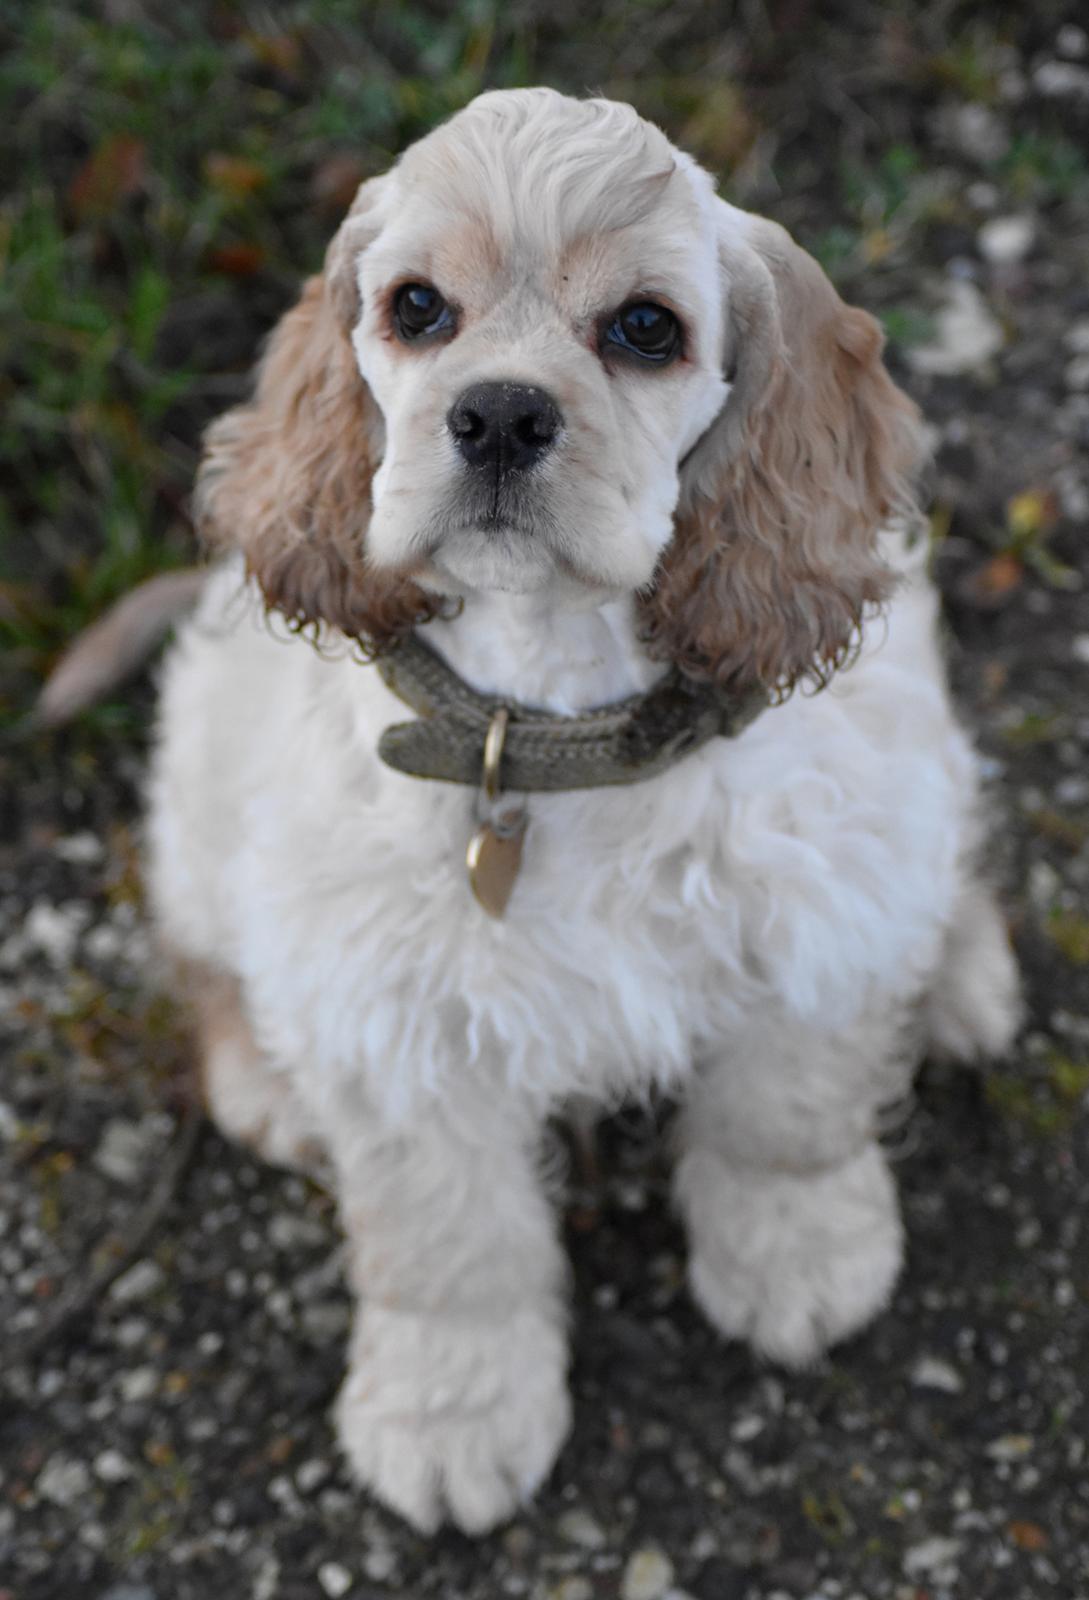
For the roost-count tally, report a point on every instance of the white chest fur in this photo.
(802, 864)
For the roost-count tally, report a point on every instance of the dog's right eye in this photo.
(420, 309)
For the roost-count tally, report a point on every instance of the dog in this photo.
(600, 508)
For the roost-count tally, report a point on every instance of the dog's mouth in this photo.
(503, 552)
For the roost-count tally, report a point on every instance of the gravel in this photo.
(177, 1446)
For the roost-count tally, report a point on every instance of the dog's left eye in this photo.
(418, 309)
(646, 330)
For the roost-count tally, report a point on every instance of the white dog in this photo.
(618, 445)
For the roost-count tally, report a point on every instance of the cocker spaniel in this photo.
(597, 469)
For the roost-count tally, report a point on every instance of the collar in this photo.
(626, 742)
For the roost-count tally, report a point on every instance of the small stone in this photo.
(967, 334)
(123, 1151)
(572, 1589)
(1076, 375)
(380, 1563)
(334, 1579)
(142, 1279)
(55, 930)
(748, 1426)
(288, 1232)
(931, 1555)
(81, 849)
(1072, 41)
(578, 1527)
(647, 1576)
(1062, 80)
(139, 1384)
(1076, 337)
(1003, 241)
(9, 1123)
(111, 1466)
(929, 1372)
(63, 1480)
(128, 1591)
(1010, 1447)
(974, 131)
(311, 1475)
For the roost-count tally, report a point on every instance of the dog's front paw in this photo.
(448, 1419)
(792, 1264)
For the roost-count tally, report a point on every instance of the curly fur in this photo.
(770, 931)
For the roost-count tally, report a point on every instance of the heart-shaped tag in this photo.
(493, 860)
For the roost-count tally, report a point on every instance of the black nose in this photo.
(505, 427)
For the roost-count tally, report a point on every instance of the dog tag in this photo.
(493, 859)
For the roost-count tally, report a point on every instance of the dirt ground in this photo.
(172, 1442)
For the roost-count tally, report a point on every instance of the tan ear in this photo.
(286, 478)
(774, 555)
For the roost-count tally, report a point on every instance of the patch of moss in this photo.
(1069, 933)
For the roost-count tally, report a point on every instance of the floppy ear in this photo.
(773, 559)
(286, 478)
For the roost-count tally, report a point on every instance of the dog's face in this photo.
(541, 324)
(545, 357)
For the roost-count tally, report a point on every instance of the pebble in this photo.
(967, 334)
(1010, 1447)
(132, 1332)
(311, 1475)
(334, 1579)
(288, 1232)
(63, 1480)
(1076, 375)
(930, 1372)
(1076, 337)
(128, 1591)
(55, 930)
(578, 1527)
(123, 1150)
(141, 1279)
(81, 849)
(1062, 80)
(572, 1589)
(139, 1384)
(974, 131)
(1072, 41)
(380, 1564)
(647, 1576)
(1006, 240)
(931, 1555)
(748, 1426)
(112, 1467)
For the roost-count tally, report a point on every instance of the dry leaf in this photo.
(992, 584)
(237, 260)
(114, 172)
(234, 175)
(1028, 1536)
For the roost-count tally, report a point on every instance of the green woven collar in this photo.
(626, 742)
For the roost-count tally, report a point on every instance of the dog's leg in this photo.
(793, 1223)
(455, 1403)
(975, 1005)
(247, 1098)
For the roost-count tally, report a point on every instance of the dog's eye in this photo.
(420, 309)
(647, 330)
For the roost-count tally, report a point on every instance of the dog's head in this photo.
(545, 357)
